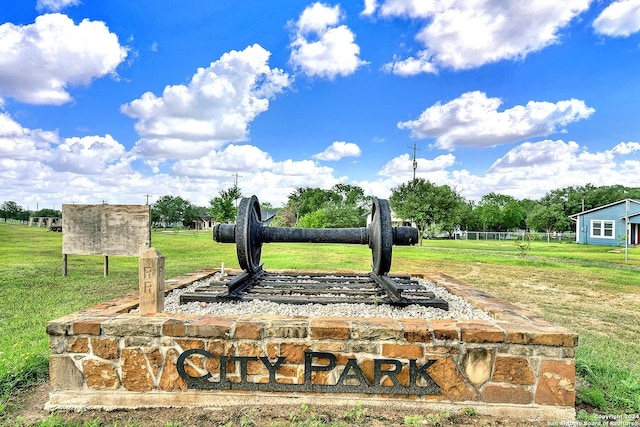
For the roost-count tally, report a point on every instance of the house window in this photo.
(603, 229)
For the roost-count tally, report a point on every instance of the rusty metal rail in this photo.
(317, 288)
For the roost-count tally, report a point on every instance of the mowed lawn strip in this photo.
(600, 302)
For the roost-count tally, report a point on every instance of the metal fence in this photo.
(14, 221)
(513, 235)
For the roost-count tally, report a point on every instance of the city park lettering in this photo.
(351, 379)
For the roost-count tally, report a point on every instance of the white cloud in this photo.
(9, 129)
(370, 7)
(32, 169)
(214, 108)
(38, 62)
(399, 170)
(338, 150)
(321, 47)
(460, 34)
(626, 148)
(221, 163)
(275, 184)
(403, 165)
(565, 161)
(35, 162)
(87, 155)
(257, 173)
(473, 120)
(619, 19)
(534, 168)
(412, 65)
(529, 170)
(90, 155)
(20, 143)
(55, 5)
(300, 168)
(157, 150)
(37, 166)
(317, 17)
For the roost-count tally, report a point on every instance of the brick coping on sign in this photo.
(516, 364)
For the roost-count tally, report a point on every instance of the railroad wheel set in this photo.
(249, 233)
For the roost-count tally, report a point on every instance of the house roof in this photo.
(631, 215)
(606, 206)
(267, 214)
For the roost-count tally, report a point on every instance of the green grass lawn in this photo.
(589, 289)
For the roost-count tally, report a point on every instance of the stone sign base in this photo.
(516, 365)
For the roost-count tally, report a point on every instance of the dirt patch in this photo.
(27, 409)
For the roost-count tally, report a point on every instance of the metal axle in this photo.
(402, 236)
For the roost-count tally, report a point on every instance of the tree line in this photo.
(439, 209)
(12, 210)
(433, 209)
(341, 206)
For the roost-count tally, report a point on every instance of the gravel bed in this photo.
(459, 309)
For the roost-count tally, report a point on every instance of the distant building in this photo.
(203, 222)
(206, 222)
(607, 225)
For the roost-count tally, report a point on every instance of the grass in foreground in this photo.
(33, 290)
(559, 281)
(599, 301)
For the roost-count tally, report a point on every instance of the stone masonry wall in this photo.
(515, 361)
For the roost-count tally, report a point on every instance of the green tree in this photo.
(352, 209)
(342, 206)
(499, 212)
(547, 218)
(23, 215)
(341, 216)
(191, 213)
(426, 204)
(468, 218)
(577, 199)
(353, 195)
(170, 210)
(315, 219)
(50, 213)
(527, 206)
(10, 210)
(306, 200)
(223, 208)
(459, 217)
(285, 217)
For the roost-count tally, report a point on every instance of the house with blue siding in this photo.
(608, 224)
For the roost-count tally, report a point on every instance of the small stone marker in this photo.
(151, 282)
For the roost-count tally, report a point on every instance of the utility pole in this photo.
(627, 231)
(236, 185)
(415, 162)
(147, 196)
(236, 175)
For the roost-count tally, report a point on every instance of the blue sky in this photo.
(113, 101)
